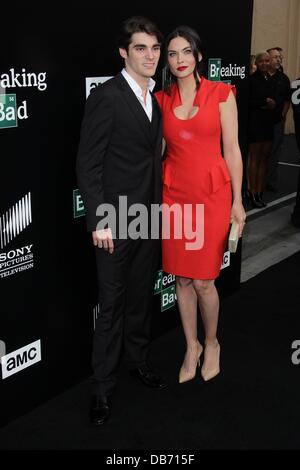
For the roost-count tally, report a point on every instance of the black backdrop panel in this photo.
(47, 270)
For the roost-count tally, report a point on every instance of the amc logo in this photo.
(226, 260)
(93, 82)
(21, 359)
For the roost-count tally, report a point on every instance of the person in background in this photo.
(280, 50)
(196, 113)
(260, 131)
(281, 85)
(252, 67)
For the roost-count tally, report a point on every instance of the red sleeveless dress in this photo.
(195, 173)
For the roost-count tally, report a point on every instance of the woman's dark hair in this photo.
(194, 40)
(137, 24)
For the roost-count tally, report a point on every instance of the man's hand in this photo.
(103, 239)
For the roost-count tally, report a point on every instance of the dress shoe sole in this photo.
(153, 384)
(162, 387)
(152, 387)
(98, 423)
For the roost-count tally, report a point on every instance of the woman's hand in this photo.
(238, 213)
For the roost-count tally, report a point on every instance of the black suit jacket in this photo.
(119, 151)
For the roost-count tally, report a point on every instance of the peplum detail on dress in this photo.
(219, 175)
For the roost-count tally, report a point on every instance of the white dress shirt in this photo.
(138, 92)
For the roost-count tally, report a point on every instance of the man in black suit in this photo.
(120, 155)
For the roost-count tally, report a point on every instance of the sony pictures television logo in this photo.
(96, 313)
(14, 221)
(93, 82)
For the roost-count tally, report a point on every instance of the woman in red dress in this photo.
(196, 113)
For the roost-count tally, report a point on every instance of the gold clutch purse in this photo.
(233, 239)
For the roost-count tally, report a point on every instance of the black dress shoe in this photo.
(260, 198)
(255, 202)
(148, 378)
(99, 410)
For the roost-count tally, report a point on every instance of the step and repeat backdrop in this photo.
(49, 63)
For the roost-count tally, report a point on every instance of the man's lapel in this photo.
(135, 106)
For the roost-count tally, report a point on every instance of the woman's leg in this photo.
(208, 300)
(187, 304)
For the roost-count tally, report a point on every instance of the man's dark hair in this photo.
(137, 24)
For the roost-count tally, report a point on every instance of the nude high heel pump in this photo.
(211, 365)
(186, 375)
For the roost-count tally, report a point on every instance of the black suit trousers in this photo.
(126, 285)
